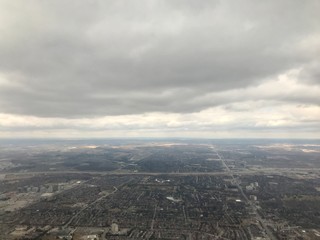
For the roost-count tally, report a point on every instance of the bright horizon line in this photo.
(153, 138)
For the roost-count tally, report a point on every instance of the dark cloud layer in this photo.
(96, 58)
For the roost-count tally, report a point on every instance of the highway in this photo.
(265, 171)
(258, 216)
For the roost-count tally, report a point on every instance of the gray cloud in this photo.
(95, 58)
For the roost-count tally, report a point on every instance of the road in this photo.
(266, 171)
(89, 205)
(154, 217)
(258, 216)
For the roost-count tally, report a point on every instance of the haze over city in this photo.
(208, 69)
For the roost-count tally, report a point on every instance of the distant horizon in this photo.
(163, 138)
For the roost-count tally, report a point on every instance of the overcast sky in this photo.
(167, 68)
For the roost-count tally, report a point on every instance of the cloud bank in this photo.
(159, 68)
